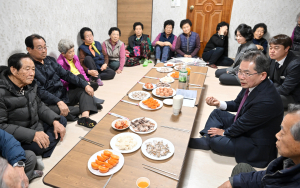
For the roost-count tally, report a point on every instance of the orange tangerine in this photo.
(103, 169)
(107, 153)
(95, 166)
(116, 157)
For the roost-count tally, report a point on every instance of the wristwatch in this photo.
(19, 164)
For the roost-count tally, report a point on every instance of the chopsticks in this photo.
(90, 141)
(129, 102)
(199, 73)
(151, 77)
(117, 115)
(160, 170)
(162, 174)
(183, 130)
(141, 83)
(198, 87)
(194, 85)
(108, 181)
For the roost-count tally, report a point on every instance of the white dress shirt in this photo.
(280, 62)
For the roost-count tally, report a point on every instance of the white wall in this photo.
(278, 15)
(54, 20)
(163, 11)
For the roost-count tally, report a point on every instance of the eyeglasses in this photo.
(245, 74)
(40, 48)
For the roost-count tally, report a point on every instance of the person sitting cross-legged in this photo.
(281, 172)
(22, 113)
(48, 74)
(249, 135)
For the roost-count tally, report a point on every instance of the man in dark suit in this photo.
(249, 135)
(285, 69)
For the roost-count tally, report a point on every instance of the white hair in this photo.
(65, 45)
(295, 129)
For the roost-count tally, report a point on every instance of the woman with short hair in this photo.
(259, 30)
(296, 35)
(115, 50)
(244, 36)
(188, 43)
(165, 43)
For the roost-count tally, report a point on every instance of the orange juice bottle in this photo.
(189, 70)
(188, 77)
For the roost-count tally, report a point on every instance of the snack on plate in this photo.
(167, 79)
(162, 84)
(121, 124)
(148, 85)
(157, 148)
(125, 142)
(139, 95)
(151, 103)
(175, 74)
(164, 69)
(142, 125)
(169, 65)
(104, 166)
(164, 91)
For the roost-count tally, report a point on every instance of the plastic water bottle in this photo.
(182, 78)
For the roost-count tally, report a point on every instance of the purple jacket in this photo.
(65, 64)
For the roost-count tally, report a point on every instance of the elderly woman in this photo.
(70, 62)
(296, 35)
(188, 43)
(244, 36)
(165, 43)
(259, 30)
(139, 46)
(115, 50)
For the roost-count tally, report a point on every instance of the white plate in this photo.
(167, 82)
(166, 64)
(168, 101)
(141, 104)
(111, 171)
(114, 122)
(154, 93)
(165, 141)
(136, 147)
(171, 76)
(151, 120)
(154, 86)
(160, 69)
(133, 98)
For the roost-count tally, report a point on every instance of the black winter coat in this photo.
(22, 115)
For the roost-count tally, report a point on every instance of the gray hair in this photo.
(65, 45)
(3, 167)
(295, 130)
(261, 61)
(298, 17)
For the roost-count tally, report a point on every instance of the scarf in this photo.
(93, 48)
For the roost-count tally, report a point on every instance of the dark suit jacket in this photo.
(289, 83)
(257, 123)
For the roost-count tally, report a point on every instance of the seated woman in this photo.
(296, 36)
(115, 50)
(165, 43)
(69, 61)
(259, 30)
(139, 46)
(216, 50)
(93, 58)
(244, 36)
(188, 43)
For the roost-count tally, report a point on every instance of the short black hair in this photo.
(15, 61)
(169, 22)
(281, 39)
(221, 24)
(185, 21)
(83, 30)
(114, 29)
(30, 38)
(245, 31)
(136, 24)
(261, 61)
(260, 25)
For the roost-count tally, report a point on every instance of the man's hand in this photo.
(118, 71)
(215, 131)
(42, 139)
(168, 44)
(211, 101)
(64, 109)
(59, 128)
(159, 43)
(22, 175)
(103, 67)
(93, 73)
(259, 47)
(89, 90)
(187, 56)
(226, 184)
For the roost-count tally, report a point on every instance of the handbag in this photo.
(137, 51)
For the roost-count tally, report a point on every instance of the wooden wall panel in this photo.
(130, 11)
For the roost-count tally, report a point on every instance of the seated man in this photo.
(285, 69)
(283, 171)
(23, 162)
(22, 113)
(51, 90)
(216, 49)
(248, 135)
(93, 58)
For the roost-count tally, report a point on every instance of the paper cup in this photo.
(142, 179)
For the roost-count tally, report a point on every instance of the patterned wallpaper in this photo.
(278, 15)
(54, 20)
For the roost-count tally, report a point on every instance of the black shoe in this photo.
(200, 143)
(87, 122)
(99, 106)
(97, 100)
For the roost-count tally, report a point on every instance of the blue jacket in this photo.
(279, 174)
(98, 59)
(10, 148)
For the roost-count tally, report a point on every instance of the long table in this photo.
(72, 170)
